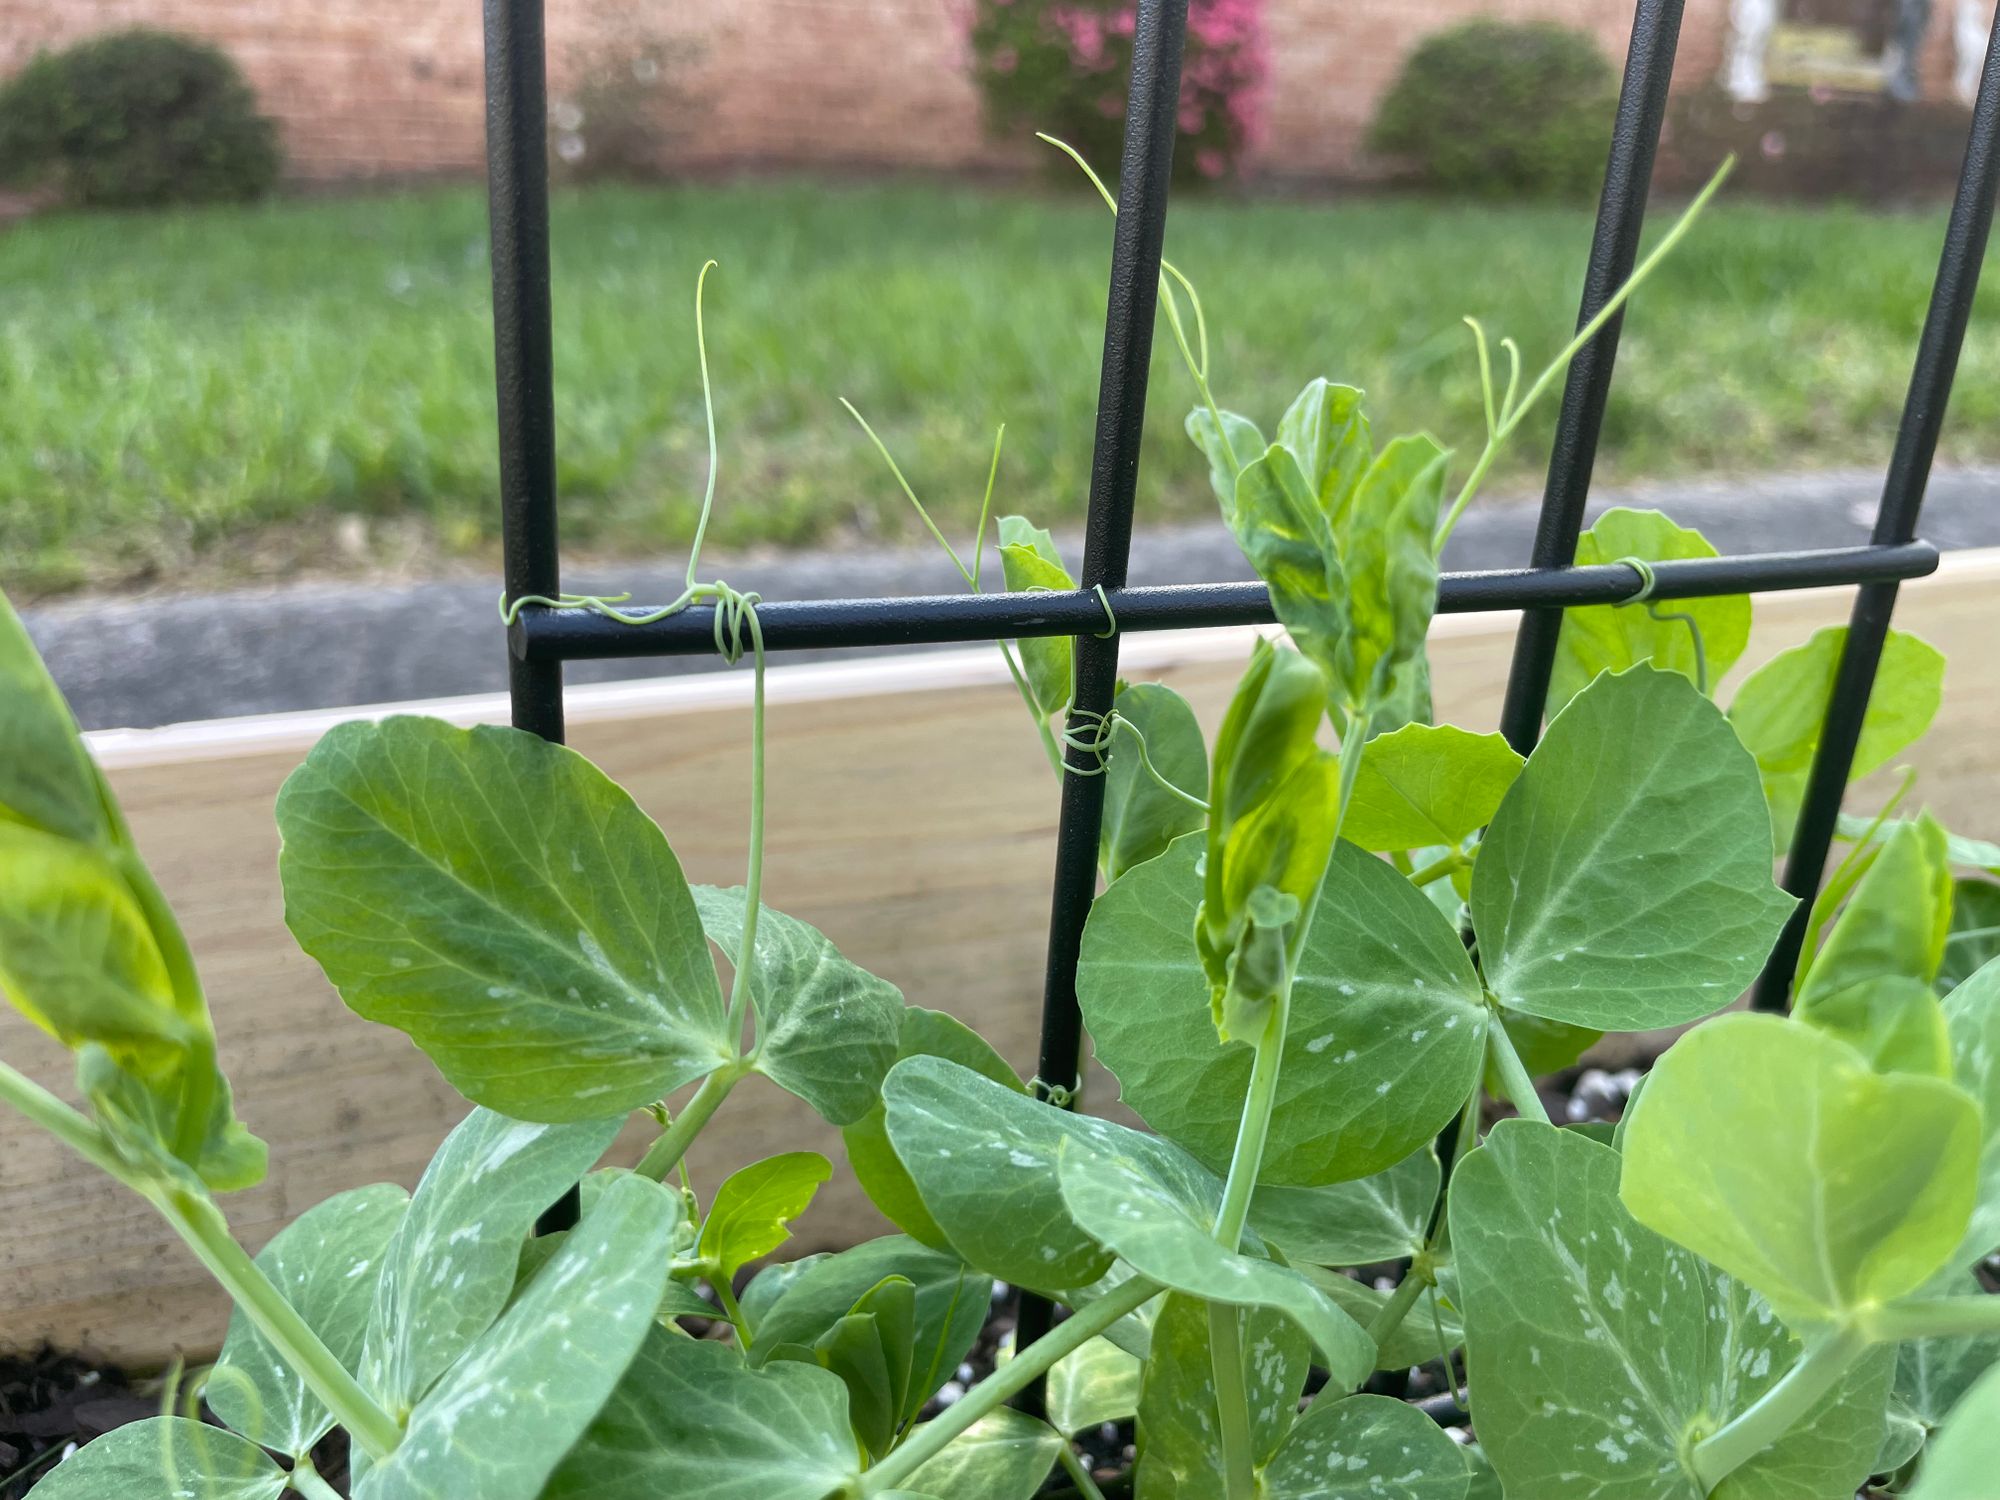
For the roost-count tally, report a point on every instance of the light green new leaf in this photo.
(1280, 527)
(141, 1116)
(1366, 1448)
(872, 1348)
(1973, 939)
(691, 1420)
(1972, 1019)
(1779, 709)
(162, 1457)
(1005, 1455)
(1390, 563)
(1860, 1186)
(1326, 432)
(449, 1268)
(1356, 1223)
(826, 1028)
(1163, 1227)
(1179, 1442)
(1977, 854)
(1598, 1350)
(509, 906)
(1141, 817)
(1870, 983)
(79, 959)
(925, 1033)
(1962, 1461)
(1626, 880)
(1932, 1374)
(502, 1417)
(324, 1263)
(1428, 784)
(753, 1206)
(1238, 445)
(1610, 638)
(984, 1158)
(1097, 1383)
(1385, 1039)
(1029, 557)
(951, 1302)
(47, 779)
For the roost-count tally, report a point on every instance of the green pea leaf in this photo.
(1598, 1350)
(1178, 1452)
(1278, 523)
(691, 1420)
(1005, 1455)
(539, 942)
(1779, 709)
(449, 1268)
(1162, 1225)
(1326, 432)
(48, 781)
(1610, 638)
(1097, 1383)
(872, 1349)
(502, 1417)
(924, 1033)
(1417, 1340)
(1933, 1374)
(1977, 854)
(1229, 449)
(1972, 1020)
(984, 1158)
(1961, 1460)
(826, 1028)
(142, 1118)
(1870, 984)
(1029, 558)
(1389, 560)
(164, 1456)
(1382, 1217)
(1973, 939)
(1626, 880)
(1141, 817)
(1385, 1038)
(1428, 784)
(1860, 1186)
(1366, 1448)
(753, 1207)
(950, 1305)
(324, 1263)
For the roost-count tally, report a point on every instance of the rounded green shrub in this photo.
(1500, 107)
(136, 118)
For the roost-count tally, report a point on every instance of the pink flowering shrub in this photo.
(1063, 66)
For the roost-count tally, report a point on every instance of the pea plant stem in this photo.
(1779, 1409)
(1384, 1324)
(74, 1130)
(931, 1439)
(306, 1480)
(665, 1153)
(199, 1222)
(1079, 1475)
(1515, 1084)
(1935, 1317)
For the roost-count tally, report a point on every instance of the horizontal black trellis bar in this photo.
(543, 635)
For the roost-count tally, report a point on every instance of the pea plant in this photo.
(1307, 968)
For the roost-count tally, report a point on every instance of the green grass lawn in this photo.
(178, 391)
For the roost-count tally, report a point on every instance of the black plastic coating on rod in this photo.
(1614, 247)
(1895, 521)
(517, 189)
(818, 624)
(1144, 173)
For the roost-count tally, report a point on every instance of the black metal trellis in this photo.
(542, 639)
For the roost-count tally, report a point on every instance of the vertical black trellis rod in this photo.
(1614, 247)
(517, 187)
(1143, 175)
(1895, 521)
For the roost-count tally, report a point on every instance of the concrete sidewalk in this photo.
(144, 662)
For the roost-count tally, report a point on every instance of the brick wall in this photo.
(392, 87)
